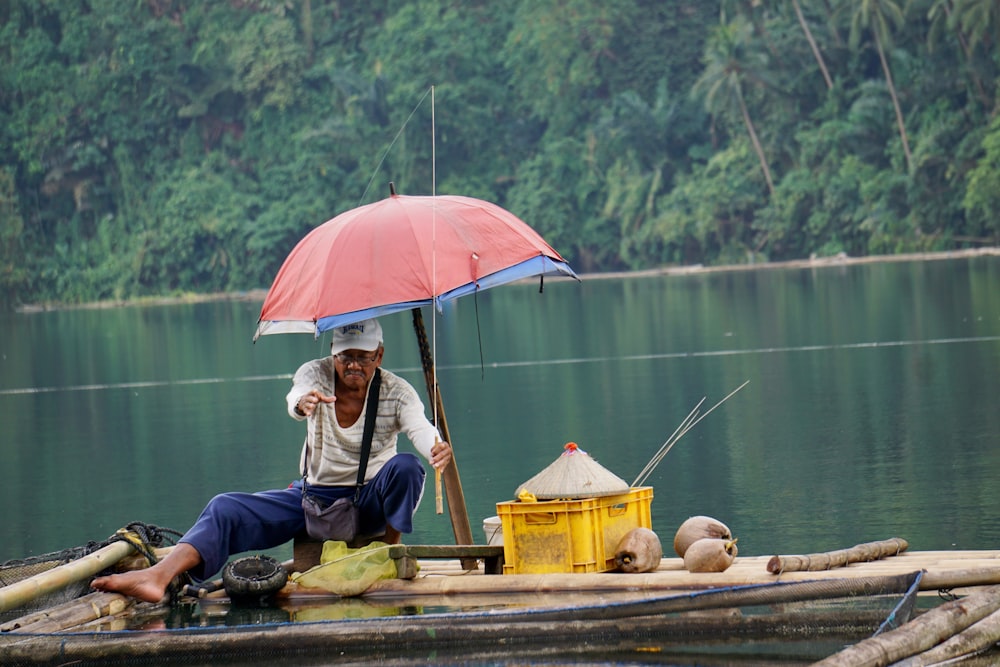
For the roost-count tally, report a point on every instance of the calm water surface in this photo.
(871, 409)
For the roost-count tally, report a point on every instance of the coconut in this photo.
(639, 551)
(696, 528)
(710, 554)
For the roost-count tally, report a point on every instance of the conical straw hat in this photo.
(574, 475)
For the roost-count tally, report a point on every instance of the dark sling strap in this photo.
(371, 411)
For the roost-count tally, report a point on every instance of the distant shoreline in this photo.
(815, 262)
(812, 263)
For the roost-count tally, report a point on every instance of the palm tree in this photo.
(942, 15)
(880, 17)
(813, 45)
(721, 83)
(751, 10)
(831, 10)
(979, 19)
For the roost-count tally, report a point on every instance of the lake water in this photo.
(871, 409)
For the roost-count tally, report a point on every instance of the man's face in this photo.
(355, 367)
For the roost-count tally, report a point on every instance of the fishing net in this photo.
(144, 537)
(801, 622)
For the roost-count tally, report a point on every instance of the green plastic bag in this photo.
(348, 572)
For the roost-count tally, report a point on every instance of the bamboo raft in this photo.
(944, 570)
(532, 615)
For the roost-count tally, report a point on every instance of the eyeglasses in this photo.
(348, 359)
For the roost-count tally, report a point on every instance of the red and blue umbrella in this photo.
(401, 253)
(398, 254)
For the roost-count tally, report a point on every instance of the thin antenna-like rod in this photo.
(434, 256)
(438, 494)
(680, 429)
(389, 148)
(665, 448)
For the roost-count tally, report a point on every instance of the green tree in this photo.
(942, 17)
(755, 12)
(880, 18)
(163, 146)
(708, 216)
(455, 50)
(812, 43)
(980, 20)
(728, 64)
(982, 195)
(557, 191)
(13, 275)
(557, 51)
(640, 148)
(266, 60)
(196, 241)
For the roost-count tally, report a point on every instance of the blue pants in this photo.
(235, 522)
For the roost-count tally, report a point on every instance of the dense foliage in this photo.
(161, 146)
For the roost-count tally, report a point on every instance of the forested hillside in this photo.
(152, 147)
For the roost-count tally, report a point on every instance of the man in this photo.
(330, 394)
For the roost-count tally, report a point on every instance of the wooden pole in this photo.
(920, 634)
(860, 553)
(978, 637)
(457, 509)
(71, 614)
(26, 590)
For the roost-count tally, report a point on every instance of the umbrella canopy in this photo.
(400, 253)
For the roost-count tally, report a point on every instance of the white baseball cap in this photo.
(365, 335)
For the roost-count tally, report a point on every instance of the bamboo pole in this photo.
(438, 498)
(859, 553)
(70, 614)
(109, 623)
(457, 510)
(447, 577)
(977, 637)
(920, 634)
(960, 577)
(23, 592)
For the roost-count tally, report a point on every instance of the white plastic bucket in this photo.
(494, 531)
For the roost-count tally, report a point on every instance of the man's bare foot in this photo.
(150, 584)
(137, 584)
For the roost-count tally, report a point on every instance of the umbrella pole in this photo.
(452, 484)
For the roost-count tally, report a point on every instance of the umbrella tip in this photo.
(392, 189)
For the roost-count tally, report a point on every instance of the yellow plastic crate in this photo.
(570, 535)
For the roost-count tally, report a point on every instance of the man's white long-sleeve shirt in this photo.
(334, 450)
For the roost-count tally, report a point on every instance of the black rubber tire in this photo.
(254, 578)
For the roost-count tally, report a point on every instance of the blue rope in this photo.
(904, 610)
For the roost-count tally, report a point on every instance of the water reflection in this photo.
(870, 410)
